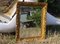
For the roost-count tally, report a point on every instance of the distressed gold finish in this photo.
(43, 19)
(43, 22)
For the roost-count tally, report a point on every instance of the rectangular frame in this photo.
(43, 19)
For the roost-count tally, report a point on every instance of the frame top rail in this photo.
(42, 4)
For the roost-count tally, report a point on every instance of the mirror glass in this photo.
(30, 21)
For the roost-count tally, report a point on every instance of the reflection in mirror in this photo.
(30, 21)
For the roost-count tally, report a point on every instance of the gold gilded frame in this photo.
(43, 19)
